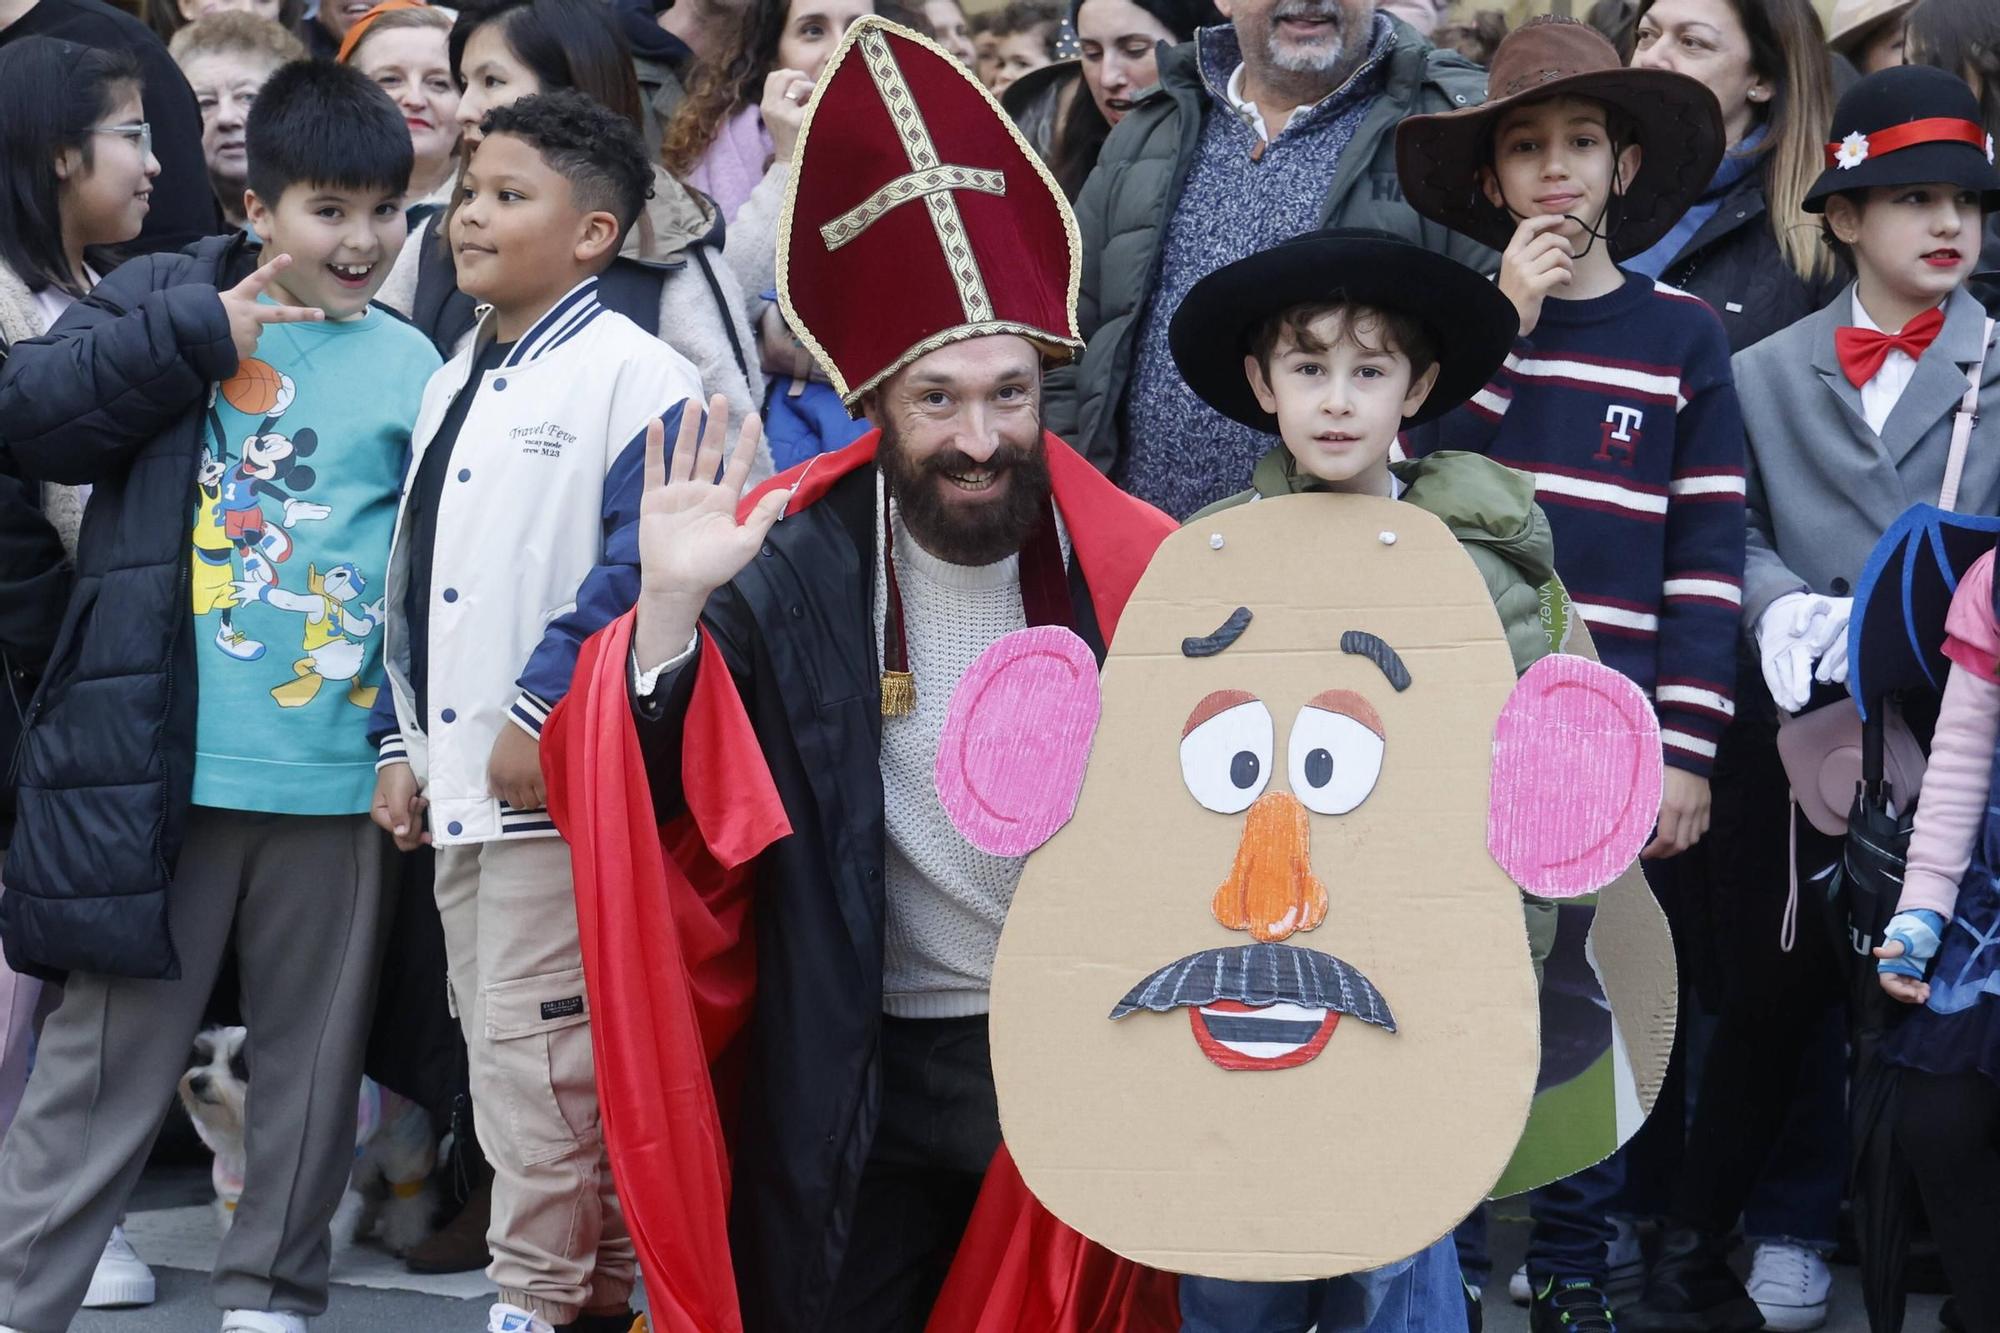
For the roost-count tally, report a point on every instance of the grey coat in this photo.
(1123, 210)
(1822, 488)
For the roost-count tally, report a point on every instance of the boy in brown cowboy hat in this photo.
(1619, 400)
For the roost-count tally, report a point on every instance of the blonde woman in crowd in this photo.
(1747, 247)
(226, 57)
(403, 46)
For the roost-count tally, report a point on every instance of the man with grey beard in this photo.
(1281, 121)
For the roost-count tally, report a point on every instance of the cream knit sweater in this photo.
(947, 899)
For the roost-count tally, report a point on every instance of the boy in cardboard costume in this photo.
(1368, 331)
(1412, 334)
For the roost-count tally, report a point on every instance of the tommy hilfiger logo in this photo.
(1620, 433)
(545, 439)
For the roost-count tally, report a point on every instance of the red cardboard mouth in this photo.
(1276, 1036)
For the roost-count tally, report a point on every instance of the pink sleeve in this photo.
(1952, 807)
(1972, 639)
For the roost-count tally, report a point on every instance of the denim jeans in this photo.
(1568, 1234)
(1475, 1259)
(1421, 1294)
(1797, 1199)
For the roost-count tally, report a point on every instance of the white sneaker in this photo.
(1623, 1257)
(121, 1279)
(262, 1321)
(1518, 1290)
(1789, 1284)
(505, 1318)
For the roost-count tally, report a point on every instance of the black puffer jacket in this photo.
(34, 587)
(113, 396)
(1734, 264)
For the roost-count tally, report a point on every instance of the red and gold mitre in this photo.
(917, 216)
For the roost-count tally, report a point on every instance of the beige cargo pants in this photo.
(558, 1238)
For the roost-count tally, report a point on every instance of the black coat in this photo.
(113, 396)
(797, 630)
(1734, 264)
(34, 585)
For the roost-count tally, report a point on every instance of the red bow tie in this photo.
(1862, 351)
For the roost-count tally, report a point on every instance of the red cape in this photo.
(664, 915)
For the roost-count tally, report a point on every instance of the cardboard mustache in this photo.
(1310, 704)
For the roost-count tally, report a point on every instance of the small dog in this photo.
(395, 1150)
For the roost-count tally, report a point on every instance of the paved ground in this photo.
(172, 1227)
(169, 1226)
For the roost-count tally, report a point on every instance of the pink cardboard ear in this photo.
(1017, 739)
(1576, 777)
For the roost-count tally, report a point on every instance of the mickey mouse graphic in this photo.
(231, 516)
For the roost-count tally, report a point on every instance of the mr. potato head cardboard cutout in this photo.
(1263, 1008)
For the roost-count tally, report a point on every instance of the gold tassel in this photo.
(899, 694)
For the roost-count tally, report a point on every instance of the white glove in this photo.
(1788, 639)
(1830, 642)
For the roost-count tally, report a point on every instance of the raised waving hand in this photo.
(690, 543)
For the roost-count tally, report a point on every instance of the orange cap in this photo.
(354, 34)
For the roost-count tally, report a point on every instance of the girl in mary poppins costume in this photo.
(1949, 917)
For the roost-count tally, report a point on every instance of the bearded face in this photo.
(962, 510)
(961, 449)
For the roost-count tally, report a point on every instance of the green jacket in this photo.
(1492, 511)
(1123, 210)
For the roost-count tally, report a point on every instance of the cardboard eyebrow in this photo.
(1228, 632)
(1361, 643)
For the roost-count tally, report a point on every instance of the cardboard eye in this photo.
(1334, 760)
(1226, 760)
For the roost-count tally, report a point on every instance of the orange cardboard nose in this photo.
(1271, 890)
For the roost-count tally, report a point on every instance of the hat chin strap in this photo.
(1597, 231)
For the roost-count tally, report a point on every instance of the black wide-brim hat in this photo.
(1909, 125)
(1471, 325)
(1675, 120)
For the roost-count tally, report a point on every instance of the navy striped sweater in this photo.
(1623, 409)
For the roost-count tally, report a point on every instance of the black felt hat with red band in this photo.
(1910, 125)
(916, 216)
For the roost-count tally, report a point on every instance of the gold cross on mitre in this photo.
(927, 179)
